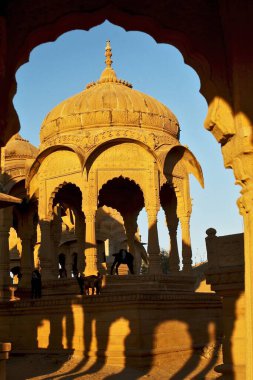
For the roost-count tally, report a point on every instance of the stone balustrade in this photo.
(225, 274)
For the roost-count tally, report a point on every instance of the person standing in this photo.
(36, 284)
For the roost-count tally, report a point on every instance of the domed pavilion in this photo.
(112, 146)
(18, 222)
(105, 154)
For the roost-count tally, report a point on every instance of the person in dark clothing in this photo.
(16, 271)
(80, 279)
(90, 282)
(123, 257)
(36, 284)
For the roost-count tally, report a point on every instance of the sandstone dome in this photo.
(18, 147)
(107, 103)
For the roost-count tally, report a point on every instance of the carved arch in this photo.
(96, 151)
(53, 195)
(65, 19)
(45, 153)
(171, 155)
(127, 179)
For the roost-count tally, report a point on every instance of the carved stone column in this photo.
(46, 251)
(80, 237)
(153, 243)
(169, 204)
(90, 244)
(5, 281)
(27, 260)
(131, 228)
(56, 230)
(245, 203)
(174, 260)
(186, 243)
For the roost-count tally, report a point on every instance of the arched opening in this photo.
(122, 194)
(168, 201)
(223, 140)
(180, 93)
(125, 196)
(67, 220)
(69, 196)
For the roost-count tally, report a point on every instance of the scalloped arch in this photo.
(62, 22)
(45, 153)
(55, 191)
(125, 178)
(129, 22)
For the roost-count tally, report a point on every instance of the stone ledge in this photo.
(181, 301)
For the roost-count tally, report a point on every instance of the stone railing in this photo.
(225, 274)
(225, 261)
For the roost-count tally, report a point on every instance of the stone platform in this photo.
(132, 326)
(179, 282)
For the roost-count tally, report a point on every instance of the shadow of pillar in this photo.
(225, 273)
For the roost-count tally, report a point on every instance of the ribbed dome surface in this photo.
(19, 147)
(109, 102)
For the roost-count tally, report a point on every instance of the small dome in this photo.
(17, 147)
(109, 102)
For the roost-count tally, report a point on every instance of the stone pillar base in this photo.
(4, 355)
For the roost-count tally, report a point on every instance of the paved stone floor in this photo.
(61, 367)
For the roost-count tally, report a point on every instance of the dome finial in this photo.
(108, 54)
(108, 75)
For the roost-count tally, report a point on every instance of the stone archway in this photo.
(65, 201)
(226, 81)
(126, 197)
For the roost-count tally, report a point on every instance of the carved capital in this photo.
(185, 220)
(90, 216)
(152, 214)
(220, 120)
(245, 202)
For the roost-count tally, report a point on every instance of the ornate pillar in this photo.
(27, 259)
(174, 260)
(46, 251)
(153, 243)
(80, 237)
(5, 282)
(90, 243)
(186, 243)
(56, 230)
(245, 203)
(131, 228)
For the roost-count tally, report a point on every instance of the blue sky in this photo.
(62, 68)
